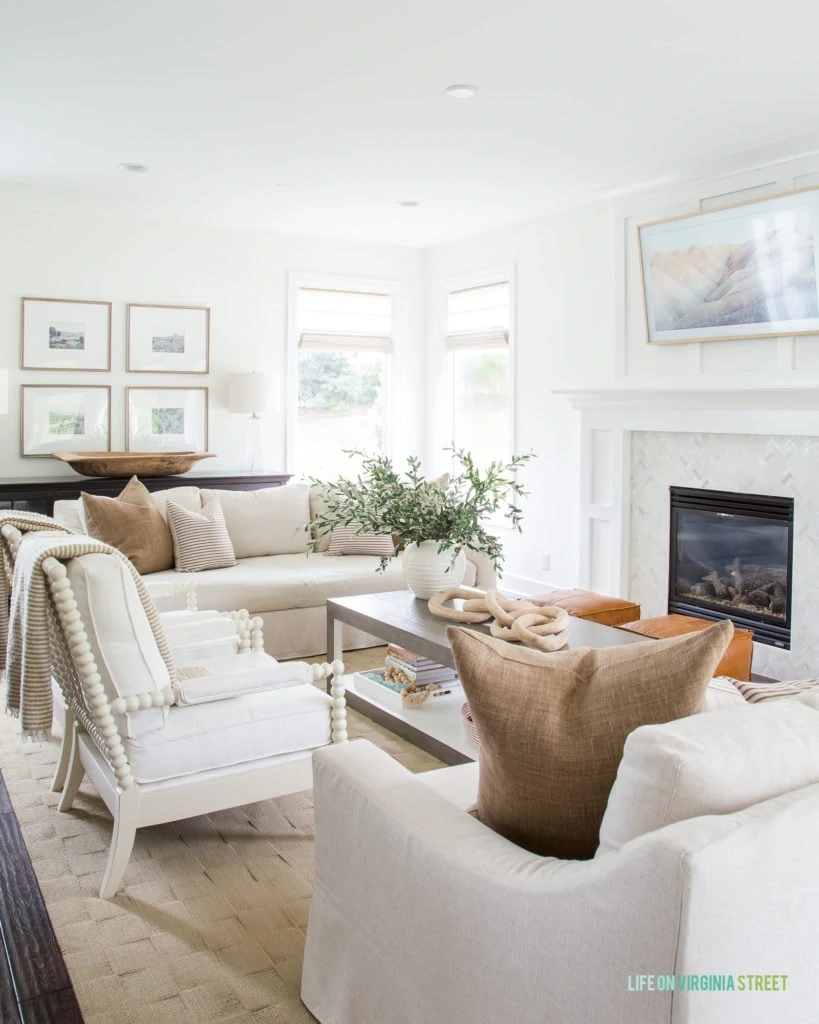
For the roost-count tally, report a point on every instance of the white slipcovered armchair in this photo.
(422, 915)
(162, 741)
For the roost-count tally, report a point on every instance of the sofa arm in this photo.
(415, 896)
(485, 576)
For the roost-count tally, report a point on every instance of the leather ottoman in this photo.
(585, 604)
(735, 662)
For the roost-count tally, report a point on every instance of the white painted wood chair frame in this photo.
(96, 747)
(249, 631)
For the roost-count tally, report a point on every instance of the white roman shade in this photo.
(332, 319)
(478, 317)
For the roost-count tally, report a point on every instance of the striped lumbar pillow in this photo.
(755, 693)
(200, 539)
(345, 541)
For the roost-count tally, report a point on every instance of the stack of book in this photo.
(416, 672)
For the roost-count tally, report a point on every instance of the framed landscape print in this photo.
(63, 418)
(167, 339)
(166, 419)
(65, 334)
(742, 271)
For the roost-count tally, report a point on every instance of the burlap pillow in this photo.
(552, 726)
(132, 523)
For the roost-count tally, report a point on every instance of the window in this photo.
(478, 323)
(344, 346)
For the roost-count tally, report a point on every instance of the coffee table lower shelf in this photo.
(435, 727)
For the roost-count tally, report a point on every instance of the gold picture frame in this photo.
(64, 417)
(65, 334)
(741, 271)
(167, 339)
(166, 418)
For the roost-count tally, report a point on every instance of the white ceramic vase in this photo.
(428, 570)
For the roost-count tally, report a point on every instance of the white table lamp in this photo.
(250, 393)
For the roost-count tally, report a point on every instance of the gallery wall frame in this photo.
(64, 418)
(740, 271)
(167, 339)
(65, 334)
(163, 419)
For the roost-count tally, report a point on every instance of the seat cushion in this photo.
(120, 636)
(586, 604)
(209, 736)
(735, 662)
(709, 764)
(268, 521)
(275, 582)
(552, 726)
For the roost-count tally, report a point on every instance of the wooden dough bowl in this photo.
(130, 463)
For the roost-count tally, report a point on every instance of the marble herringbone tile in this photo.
(785, 466)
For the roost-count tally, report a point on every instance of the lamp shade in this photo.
(249, 392)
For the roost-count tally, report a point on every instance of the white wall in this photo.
(52, 251)
(564, 267)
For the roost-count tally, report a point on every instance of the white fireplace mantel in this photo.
(609, 416)
(773, 410)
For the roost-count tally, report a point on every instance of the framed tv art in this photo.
(166, 419)
(65, 334)
(167, 339)
(62, 418)
(743, 271)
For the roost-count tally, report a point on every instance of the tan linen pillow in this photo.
(132, 523)
(200, 539)
(552, 726)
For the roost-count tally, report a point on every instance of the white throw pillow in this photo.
(269, 521)
(714, 763)
(187, 497)
(200, 539)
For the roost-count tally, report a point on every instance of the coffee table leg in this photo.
(334, 645)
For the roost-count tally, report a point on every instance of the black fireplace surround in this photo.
(730, 558)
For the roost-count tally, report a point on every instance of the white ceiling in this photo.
(344, 101)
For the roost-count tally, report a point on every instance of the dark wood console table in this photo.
(39, 494)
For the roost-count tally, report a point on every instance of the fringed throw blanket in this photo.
(25, 522)
(28, 662)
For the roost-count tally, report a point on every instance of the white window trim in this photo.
(478, 279)
(336, 282)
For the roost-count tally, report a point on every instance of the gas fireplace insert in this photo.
(730, 558)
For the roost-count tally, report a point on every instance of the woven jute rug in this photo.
(209, 925)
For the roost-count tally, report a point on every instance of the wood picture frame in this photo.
(167, 339)
(65, 334)
(166, 419)
(741, 271)
(63, 418)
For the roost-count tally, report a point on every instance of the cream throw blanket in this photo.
(28, 658)
(25, 522)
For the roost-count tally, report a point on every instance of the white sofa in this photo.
(422, 915)
(288, 590)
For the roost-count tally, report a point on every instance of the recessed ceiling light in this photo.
(134, 168)
(461, 92)
(407, 202)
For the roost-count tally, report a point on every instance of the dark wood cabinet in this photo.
(39, 494)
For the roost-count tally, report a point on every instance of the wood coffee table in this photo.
(399, 617)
